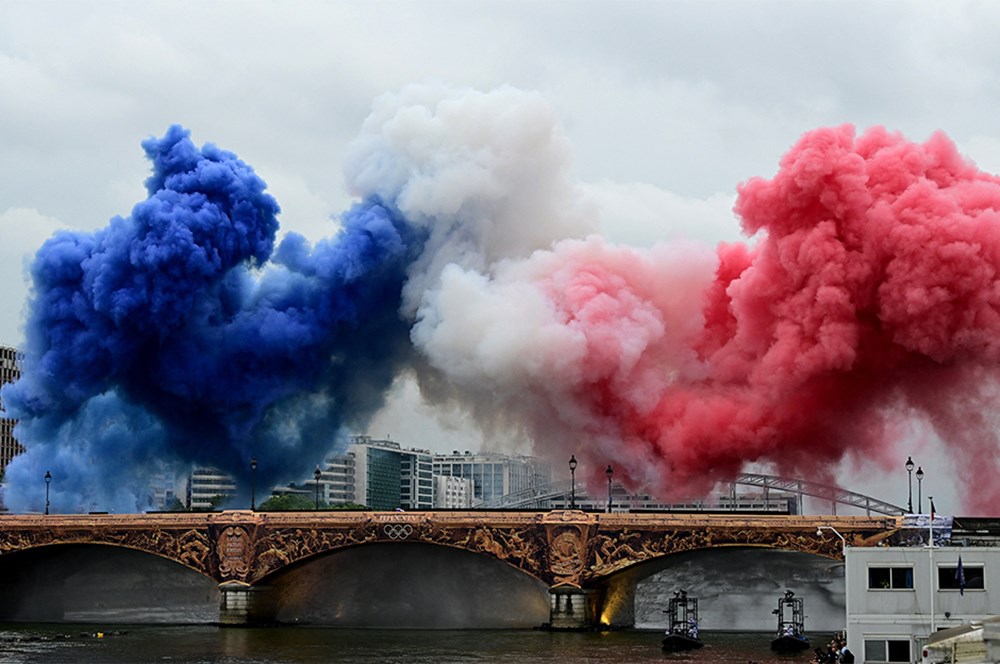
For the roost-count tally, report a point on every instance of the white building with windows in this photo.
(898, 596)
(336, 480)
(493, 474)
(452, 493)
(207, 485)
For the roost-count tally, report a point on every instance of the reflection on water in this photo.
(302, 645)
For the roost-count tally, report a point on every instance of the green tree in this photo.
(348, 506)
(217, 502)
(289, 502)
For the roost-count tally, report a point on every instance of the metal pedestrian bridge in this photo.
(543, 496)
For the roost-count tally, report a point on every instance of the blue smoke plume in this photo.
(181, 335)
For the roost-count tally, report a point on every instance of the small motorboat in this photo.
(791, 635)
(682, 623)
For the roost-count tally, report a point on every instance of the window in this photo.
(890, 578)
(887, 650)
(974, 577)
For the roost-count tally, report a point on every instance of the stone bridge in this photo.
(573, 552)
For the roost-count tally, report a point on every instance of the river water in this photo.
(78, 644)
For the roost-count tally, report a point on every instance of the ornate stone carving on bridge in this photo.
(561, 548)
(182, 540)
(569, 535)
(283, 545)
(516, 541)
(620, 546)
(235, 550)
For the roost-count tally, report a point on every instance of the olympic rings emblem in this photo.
(396, 531)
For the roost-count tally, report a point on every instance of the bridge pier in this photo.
(574, 609)
(243, 605)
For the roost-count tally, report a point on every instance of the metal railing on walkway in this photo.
(542, 496)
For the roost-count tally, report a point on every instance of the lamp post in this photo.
(48, 480)
(930, 560)
(843, 548)
(253, 482)
(316, 474)
(572, 480)
(909, 473)
(920, 490)
(843, 541)
(609, 472)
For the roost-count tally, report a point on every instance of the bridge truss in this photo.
(541, 497)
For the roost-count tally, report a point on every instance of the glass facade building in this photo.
(493, 474)
(10, 371)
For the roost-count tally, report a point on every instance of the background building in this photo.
(9, 372)
(493, 474)
(386, 476)
(452, 493)
(336, 481)
(382, 474)
(377, 473)
(166, 493)
(205, 484)
(416, 480)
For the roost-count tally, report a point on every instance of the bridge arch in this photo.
(282, 546)
(106, 583)
(620, 544)
(735, 585)
(412, 584)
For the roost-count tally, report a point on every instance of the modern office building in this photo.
(336, 480)
(493, 474)
(416, 480)
(452, 493)
(206, 486)
(377, 472)
(10, 371)
(382, 474)
(386, 476)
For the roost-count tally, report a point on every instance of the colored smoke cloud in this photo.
(181, 334)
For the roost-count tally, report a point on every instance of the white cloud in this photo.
(641, 215)
(23, 230)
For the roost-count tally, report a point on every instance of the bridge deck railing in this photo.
(541, 496)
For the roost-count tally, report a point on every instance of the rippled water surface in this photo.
(202, 644)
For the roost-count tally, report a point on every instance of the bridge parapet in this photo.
(623, 540)
(561, 548)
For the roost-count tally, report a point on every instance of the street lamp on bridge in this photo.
(253, 482)
(843, 548)
(609, 472)
(920, 490)
(316, 474)
(48, 480)
(843, 540)
(572, 481)
(909, 473)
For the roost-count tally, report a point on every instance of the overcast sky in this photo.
(667, 105)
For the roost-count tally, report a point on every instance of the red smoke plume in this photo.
(872, 298)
